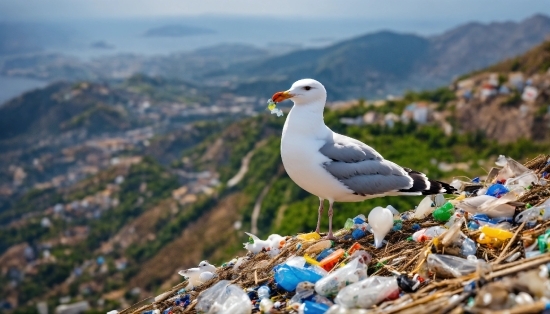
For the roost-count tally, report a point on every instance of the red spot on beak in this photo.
(281, 96)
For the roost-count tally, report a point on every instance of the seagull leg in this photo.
(321, 201)
(330, 236)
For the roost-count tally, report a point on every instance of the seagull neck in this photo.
(306, 119)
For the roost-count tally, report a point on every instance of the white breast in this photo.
(304, 164)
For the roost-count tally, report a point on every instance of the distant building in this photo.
(530, 93)
(74, 308)
(487, 91)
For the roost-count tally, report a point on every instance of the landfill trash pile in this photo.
(485, 249)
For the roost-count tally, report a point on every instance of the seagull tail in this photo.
(422, 184)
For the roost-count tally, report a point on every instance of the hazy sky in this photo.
(456, 10)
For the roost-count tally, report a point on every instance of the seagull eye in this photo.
(307, 87)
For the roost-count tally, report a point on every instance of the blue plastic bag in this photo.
(288, 277)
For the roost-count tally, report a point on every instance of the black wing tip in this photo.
(420, 184)
(438, 187)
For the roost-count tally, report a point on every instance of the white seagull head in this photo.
(303, 92)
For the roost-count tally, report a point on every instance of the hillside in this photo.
(375, 65)
(114, 221)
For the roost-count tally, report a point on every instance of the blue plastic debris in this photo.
(415, 227)
(475, 180)
(358, 234)
(314, 308)
(288, 277)
(323, 254)
(264, 292)
(497, 190)
(472, 225)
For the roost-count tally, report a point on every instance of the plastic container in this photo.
(354, 271)
(309, 236)
(330, 261)
(496, 233)
(381, 222)
(447, 266)
(444, 212)
(224, 297)
(368, 292)
(357, 234)
(424, 208)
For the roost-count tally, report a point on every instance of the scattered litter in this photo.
(485, 249)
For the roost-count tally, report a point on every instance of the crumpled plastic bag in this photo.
(354, 271)
(368, 292)
(224, 298)
(489, 205)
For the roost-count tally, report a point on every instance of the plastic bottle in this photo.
(319, 246)
(543, 241)
(323, 254)
(310, 260)
(444, 212)
(264, 292)
(309, 307)
(309, 236)
(447, 266)
(330, 261)
(349, 224)
(356, 246)
(368, 292)
(496, 233)
(266, 305)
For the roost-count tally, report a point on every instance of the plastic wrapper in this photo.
(428, 233)
(291, 273)
(368, 292)
(489, 205)
(354, 271)
(224, 298)
(447, 266)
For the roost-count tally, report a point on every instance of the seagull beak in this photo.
(281, 96)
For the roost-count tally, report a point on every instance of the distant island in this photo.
(177, 31)
(102, 45)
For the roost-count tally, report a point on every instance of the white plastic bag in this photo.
(224, 298)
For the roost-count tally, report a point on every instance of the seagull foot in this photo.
(330, 236)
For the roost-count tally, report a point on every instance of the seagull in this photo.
(336, 167)
(197, 275)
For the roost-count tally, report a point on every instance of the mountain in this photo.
(120, 234)
(383, 63)
(176, 31)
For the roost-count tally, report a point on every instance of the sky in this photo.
(457, 10)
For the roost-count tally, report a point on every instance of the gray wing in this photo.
(361, 168)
